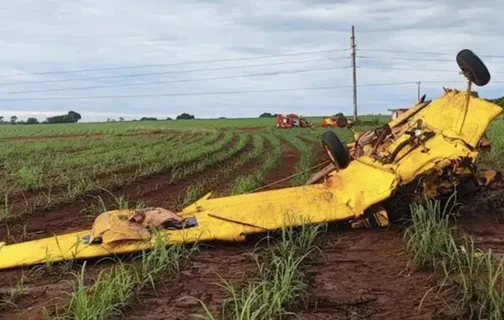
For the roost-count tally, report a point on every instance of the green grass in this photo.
(114, 288)
(435, 244)
(307, 157)
(280, 284)
(271, 161)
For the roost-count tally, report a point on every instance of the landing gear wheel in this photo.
(473, 68)
(336, 150)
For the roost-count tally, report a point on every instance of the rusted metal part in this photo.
(488, 177)
(321, 174)
(376, 218)
(484, 144)
(384, 131)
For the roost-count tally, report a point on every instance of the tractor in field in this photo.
(429, 151)
(292, 121)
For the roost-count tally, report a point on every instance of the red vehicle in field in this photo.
(292, 121)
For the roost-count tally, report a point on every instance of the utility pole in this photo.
(352, 43)
(418, 90)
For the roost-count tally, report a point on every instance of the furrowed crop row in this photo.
(306, 159)
(96, 160)
(254, 180)
(225, 170)
(46, 172)
(58, 154)
(152, 163)
(157, 163)
(61, 171)
(80, 184)
(179, 172)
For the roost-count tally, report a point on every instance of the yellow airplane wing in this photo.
(345, 196)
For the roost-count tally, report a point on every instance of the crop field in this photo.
(58, 178)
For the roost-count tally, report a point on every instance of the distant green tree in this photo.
(31, 121)
(267, 115)
(185, 116)
(169, 118)
(148, 119)
(70, 117)
(121, 119)
(13, 119)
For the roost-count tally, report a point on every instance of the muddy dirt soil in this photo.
(362, 274)
(177, 297)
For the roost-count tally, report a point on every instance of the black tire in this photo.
(336, 150)
(473, 68)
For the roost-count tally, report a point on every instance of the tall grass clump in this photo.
(105, 298)
(280, 283)
(433, 243)
(115, 287)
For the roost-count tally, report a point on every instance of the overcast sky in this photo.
(295, 44)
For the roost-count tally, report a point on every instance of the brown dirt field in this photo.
(43, 289)
(199, 279)
(361, 274)
(286, 167)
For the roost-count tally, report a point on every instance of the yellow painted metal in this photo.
(343, 196)
(230, 218)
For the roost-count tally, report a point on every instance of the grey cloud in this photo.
(38, 36)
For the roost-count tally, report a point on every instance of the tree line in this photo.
(70, 117)
(73, 117)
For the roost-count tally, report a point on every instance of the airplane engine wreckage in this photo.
(432, 147)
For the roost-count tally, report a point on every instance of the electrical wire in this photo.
(424, 52)
(402, 58)
(401, 68)
(174, 81)
(201, 93)
(177, 63)
(163, 72)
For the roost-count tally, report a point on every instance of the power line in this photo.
(164, 72)
(400, 68)
(426, 52)
(415, 69)
(175, 81)
(178, 63)
(201, 93)
(402, 58)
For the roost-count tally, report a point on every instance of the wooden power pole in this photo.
(418, 90)
(352, 38)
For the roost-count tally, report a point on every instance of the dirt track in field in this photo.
(359, 275)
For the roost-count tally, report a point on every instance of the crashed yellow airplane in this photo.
(432, 147)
